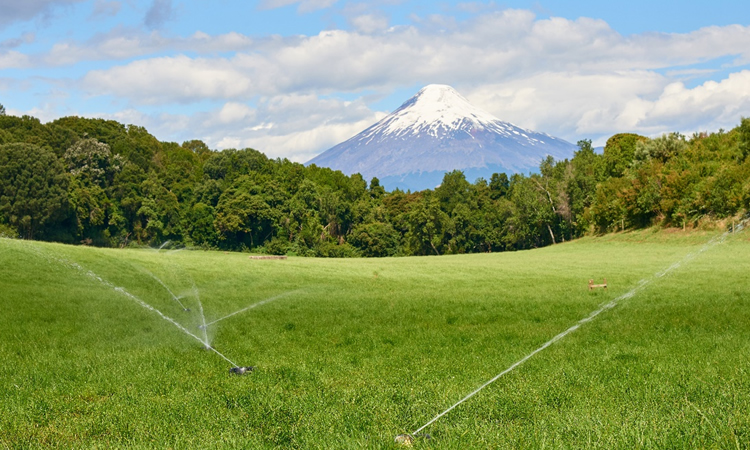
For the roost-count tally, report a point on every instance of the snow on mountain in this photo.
(437, 131)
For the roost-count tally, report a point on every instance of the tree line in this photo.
(99, 182)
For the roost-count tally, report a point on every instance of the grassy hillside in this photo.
(358, 351)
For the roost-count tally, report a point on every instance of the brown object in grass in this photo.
(267, 257)
(592, 285)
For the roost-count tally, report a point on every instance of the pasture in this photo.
(351, 352)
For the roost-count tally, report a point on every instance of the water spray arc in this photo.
(164, 244)
(254, 305)
(142, 303)
(174, 297)
(202, 326)
(235, 368)
(642, 284)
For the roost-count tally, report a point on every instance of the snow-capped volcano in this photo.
(437, 131)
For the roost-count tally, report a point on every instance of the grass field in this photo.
(361, 350)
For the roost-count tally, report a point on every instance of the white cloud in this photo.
(369, 23)
(121, 44)
(570, 78)
(294, 126)
(566, 104)
(233, 112)
(14, 60)
(494, 48)
(572, 105)
(706, 107)
(303, 145)
(176, 79)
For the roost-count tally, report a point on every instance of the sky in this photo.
(292, 78)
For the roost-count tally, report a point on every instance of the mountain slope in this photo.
(437, 131)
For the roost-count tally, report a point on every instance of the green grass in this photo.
(371, 348)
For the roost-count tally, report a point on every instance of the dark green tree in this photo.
(619, 153)
(376, 190)
(586, 173)
(499, 184)
(375, 239)
(33, 190)
(429, 227)
(199, 225)
(245, 215)
(743, 142)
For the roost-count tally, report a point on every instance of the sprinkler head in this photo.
(186, 309)
(202, 327)
(241, 370)
(405, 439)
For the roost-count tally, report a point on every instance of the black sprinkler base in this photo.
(241, 370)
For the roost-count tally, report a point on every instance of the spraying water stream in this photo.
(642, 284)
(174, 297)
(254, 305)
(139, 301)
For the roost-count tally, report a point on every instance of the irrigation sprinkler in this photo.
(408, 439)
(404, 439)
(235, 369)
(241, 370)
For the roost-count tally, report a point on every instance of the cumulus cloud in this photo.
(233, 112)
(570, 78)
(575, 106)
(13, 60)
(289, 126)
(568, 103)
(496, 47)
(292, 126)
(172, 79)
(117, 44)
(706, 107)
(126, 43)
(369, 23)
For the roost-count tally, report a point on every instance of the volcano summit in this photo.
(438, 131)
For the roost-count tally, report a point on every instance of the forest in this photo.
(99, 182)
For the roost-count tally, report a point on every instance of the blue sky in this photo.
(294, 77)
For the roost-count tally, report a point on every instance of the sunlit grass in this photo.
(362, 350)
